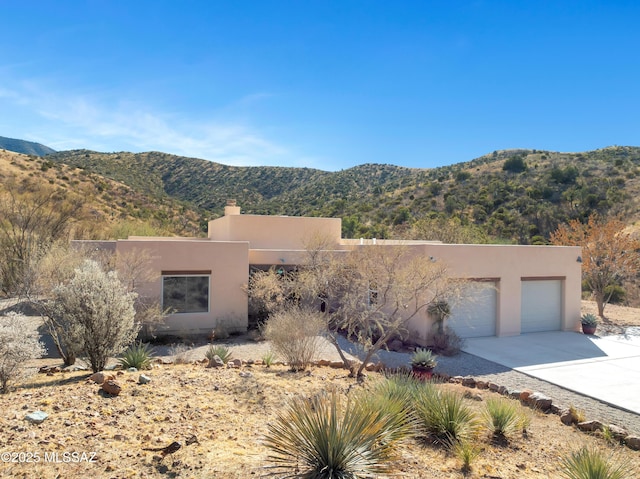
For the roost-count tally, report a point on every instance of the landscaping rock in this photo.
(524, 394)
(111, 387)
(132, 370)
(482, 384)
(97, 378)
(515, 394)
(235, 363)
(633, 442)
(590, 426)
(215, 362)
(36, 417)
(244, 374)
(619, 433)
(566, 417)
(493, 387)
(469, 382)
(144, 379)
(539, 401)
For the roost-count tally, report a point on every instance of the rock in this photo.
(336, 364)
(556, 409)
(619, 433)
(144, 379)
(473, 396)
(539, 401)
(215, 362)
(396, 345)
(244, 374)
(323, 362)
(235, 363)
(111, 387)
(503, 390)
(590, 426)
(132, 370)
(515, 394)
(97, 378)
(633, 442)
(482, 384)
(36, 417)
(469, 382)
(493, 387)
(566, 417)
(456, 379)
(524, 394)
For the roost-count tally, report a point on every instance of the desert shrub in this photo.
(503, 416)
(98, 311)
(19, 342)
(295, 335)
(329, 437)
(444, 415)
(218, 350)
(590, 463)
(445, 342)
(139, 355)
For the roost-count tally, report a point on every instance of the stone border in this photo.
(538, 401)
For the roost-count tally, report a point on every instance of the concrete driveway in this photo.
(605, 368)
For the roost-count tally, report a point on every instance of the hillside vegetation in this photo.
(110, 209)
(23, 146)
(517, 196)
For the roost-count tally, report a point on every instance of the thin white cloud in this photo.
(83, 121)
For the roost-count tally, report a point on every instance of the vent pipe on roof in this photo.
(231, 208)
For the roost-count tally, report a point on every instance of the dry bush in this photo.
(19, 342)
(295, 334)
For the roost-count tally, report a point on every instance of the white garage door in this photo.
(541, 305)
(476, 316)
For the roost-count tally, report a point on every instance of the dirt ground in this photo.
(221, 416)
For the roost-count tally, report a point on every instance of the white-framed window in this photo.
(186, 292)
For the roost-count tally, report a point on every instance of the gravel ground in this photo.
(465, 364)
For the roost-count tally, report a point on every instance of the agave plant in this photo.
(222, 352)
(139, 355)
(330, 437)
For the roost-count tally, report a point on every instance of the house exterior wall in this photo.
(507, 265)
(275, 232)
(237, 241)
(229, 266)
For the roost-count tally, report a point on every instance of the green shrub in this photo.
(268, 358)
(218, 350)
(444, 415)
(467, 451)
(329, 437)
(503, 416)
(139, 355)
(590, 463)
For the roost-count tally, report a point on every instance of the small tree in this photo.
(19, 342)
(97, 313)
(609, 254)
(378, 289)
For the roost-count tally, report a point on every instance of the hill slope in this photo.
(26, 147)
(513, 195)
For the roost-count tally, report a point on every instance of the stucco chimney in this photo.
(231, 208)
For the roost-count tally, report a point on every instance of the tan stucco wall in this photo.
(229, 266)
(275, 232)
(508, 265)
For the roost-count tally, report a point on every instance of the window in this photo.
(186, 292)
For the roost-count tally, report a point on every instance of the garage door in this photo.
(476, 316)
(541, 305)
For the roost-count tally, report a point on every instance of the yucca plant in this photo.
(590, 463)
(467, 451)
(268, 358)
(218, 350)
(330, 437)
(139, 355)
(503, 416)
(444, 415)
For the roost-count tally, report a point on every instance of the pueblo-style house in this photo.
(514, 289)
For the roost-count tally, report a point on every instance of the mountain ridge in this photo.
(24, 146)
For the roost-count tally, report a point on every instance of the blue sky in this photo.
(323, 84)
